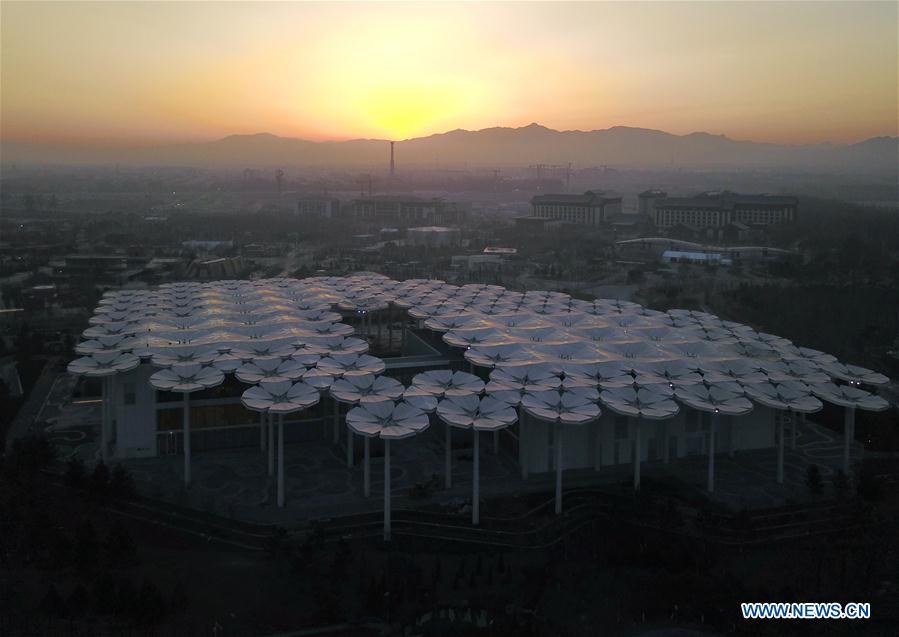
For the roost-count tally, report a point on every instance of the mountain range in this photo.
(619, 146)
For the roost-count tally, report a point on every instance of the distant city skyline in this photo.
(109, 74)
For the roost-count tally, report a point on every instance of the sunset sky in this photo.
(114, 73)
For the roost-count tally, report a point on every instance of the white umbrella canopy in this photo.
(607, 374)
(102, 364)
(806, 354)
(444, 382)
(786, 396)
(109, 344)
(719, 398)
(168, 356)
(112, 329)
(340, 365)
(328, 345)
(642, 402)
(499, 356)
(387, 420)
(471, 412)
(575, 407)
(318, 378)
(271, 369)
(670, 373)
(280, 397)
(187, 378)
(849, 396)
(475, 337)
(539, 377)
(367, 388)
(804, 371)
(742, 370)
(854, 375)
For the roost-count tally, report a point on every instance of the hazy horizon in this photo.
(98, 74)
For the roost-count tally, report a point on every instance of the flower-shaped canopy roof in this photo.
(327, 345)
(367, 388)
(271, 369)
(482, 414)
(741, 370)
(339, 365)
(109, 344)
(849, 396)
(387, 420)
(524, 379)
(675, 372)
(168, 356)
(319, 379)
(606, 375)
(807, 372)
(725, 398)
(103, 364)
(186, 378)
(568, 408)
(854, 374)
(443, 382)
(280, 397)
(498, 356)
(639, 403)
(788, 395)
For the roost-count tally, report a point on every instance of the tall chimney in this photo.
(391, 160)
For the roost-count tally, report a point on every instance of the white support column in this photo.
(366, 470)
(523, 443)
(848, 434)
(448, 461)
(496, 442)
(793, 430)
(104, 417)
(186, 438)
(262, 430)
(558, 441)
(731, 430)
(597, 445)
(349, 448)
(780, 449)
(638, 454)
(271, 445)
(476, 486)
(387, 490)
(280, 460)
(713, 421)
(111, 433)
(336, 425)
(666, 442)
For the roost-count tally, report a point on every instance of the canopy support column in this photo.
(713, 421)
(336, 426)
(780, 449)
(638, 454)
(104, 417)
(262, 430)
(448, 452)
(794, 431)
(387, 490)
(496, 442)
(476, 487)
(186, 439)
(558, 441)
(349, 448)
(280, 460)
(848, 435)
(271, 445)
(366, 470)
(523, 443)
(597, 445)
(666, 442)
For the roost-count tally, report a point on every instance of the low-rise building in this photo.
(322, 207)
(717, 210)
(593, 208)
(409, 209)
